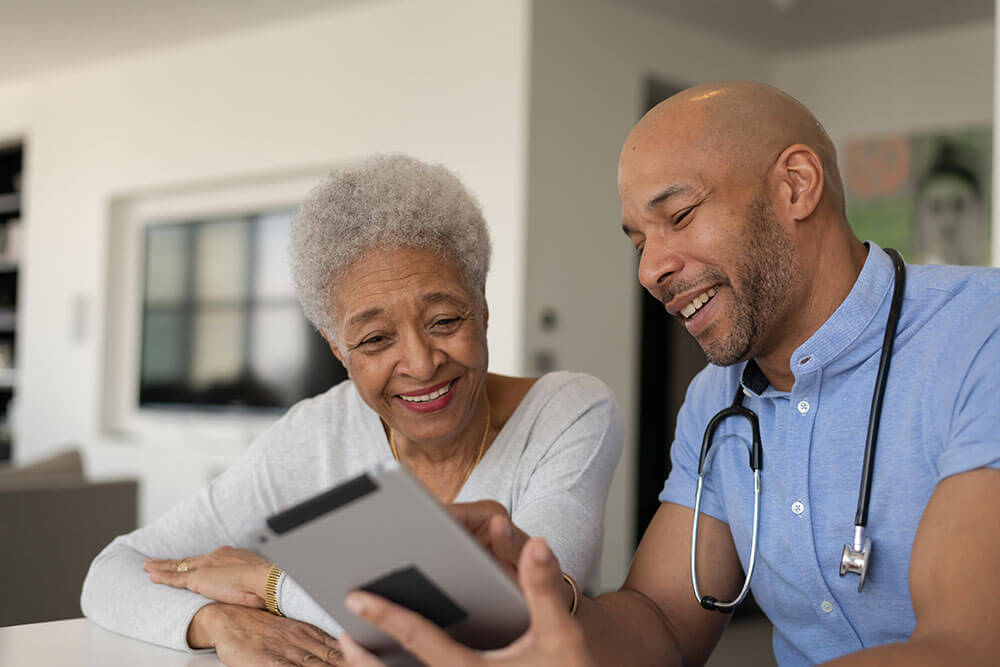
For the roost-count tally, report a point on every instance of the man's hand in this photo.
(243, 636)
(230, 575)
(553, 638)
(490, 524)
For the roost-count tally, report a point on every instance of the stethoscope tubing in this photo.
(881, 379)
(864, 490)
(708, 602)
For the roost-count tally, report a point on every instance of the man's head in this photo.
(728, 190)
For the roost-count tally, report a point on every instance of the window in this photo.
(221, 326)
(204, 338)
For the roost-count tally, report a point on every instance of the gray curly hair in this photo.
(385, 201)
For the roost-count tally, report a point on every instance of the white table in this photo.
(80, 642)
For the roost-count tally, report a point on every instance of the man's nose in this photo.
(657, 263)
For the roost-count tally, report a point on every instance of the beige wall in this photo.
(589, 61)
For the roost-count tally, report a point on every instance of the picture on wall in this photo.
(927, 194)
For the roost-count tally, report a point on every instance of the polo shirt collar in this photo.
(842, 329)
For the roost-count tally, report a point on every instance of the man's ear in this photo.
(799, 180)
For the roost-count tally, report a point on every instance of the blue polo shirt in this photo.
(940, 417)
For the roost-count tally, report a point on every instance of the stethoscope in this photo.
(856, 556)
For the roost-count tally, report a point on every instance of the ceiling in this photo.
(43, 36)
(788, 25)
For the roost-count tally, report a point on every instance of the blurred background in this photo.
(151, 154)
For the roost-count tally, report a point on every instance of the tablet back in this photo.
(383, 532)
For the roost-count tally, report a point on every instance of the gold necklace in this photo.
(482, 444)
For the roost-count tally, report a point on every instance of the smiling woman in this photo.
(390, 259)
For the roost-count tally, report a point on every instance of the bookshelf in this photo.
(11, 169)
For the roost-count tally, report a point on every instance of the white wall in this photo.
(937, 79)
(925, 80)
(441, 79)
(589, 61)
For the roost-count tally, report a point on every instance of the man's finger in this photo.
(541, 582)
(506, 539)
(477, 514)
(414, 632)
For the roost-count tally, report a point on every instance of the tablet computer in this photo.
(383, 532)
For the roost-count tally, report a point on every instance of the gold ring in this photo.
(183, 565)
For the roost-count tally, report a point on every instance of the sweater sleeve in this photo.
(580, 433)
(117, 592)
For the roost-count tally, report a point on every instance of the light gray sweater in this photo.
(550, 466)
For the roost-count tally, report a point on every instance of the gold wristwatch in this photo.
(271, 590)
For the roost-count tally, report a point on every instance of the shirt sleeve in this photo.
(973, 438)
(564, 498)
(682, 482)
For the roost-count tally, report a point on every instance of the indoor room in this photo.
(154, 155)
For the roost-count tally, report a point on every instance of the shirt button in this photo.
(798, 507)
(803, 406)
(826, 606)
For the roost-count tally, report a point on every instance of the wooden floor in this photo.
(747, 643)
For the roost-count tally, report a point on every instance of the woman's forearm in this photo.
(118, 595)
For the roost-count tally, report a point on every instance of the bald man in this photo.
(731, 194)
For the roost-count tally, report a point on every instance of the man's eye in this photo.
(446, 322)
(683, 214)
(372, 340)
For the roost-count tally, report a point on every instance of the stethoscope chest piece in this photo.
(855, 560)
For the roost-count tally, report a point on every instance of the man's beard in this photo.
(766, 278)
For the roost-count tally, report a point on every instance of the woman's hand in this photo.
(230, 575)
(553, 638)
(243, 636)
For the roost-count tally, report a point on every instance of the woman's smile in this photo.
(431, 399)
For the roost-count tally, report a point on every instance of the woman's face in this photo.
(413, 340)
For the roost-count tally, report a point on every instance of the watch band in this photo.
(271, 590)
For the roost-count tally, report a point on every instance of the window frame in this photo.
(122, 417)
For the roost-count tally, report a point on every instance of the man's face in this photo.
(710, 247)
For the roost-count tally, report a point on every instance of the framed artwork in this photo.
(926, 194)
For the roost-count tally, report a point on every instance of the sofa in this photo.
(53, 521)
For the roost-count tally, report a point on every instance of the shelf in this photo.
(8, 377)
(10, 202)
(8, 320)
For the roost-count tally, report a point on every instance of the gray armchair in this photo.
(53, 522)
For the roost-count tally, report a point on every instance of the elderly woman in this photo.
(389, 259)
